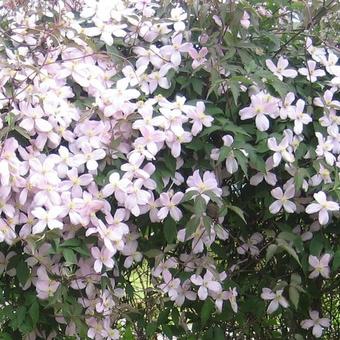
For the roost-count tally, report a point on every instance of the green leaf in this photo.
(294, 296)
(20, 315)
(34, 312)
(74, 242)
(151, 328)
(242, 161)
(128, 334)
(235, 90)
(218, 333)
(191, 226)
(224, 152)
(189, 195)
(153, 253)
(200, 205)
(271, 251)
(285, 246)
(316, 244)
(206, 311)
(69, 256)
(336, 260)
(299, 177)
(170, 230)
(197, 85)
(237, 211)
(22, 272)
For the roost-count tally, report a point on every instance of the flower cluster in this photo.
(114, 162)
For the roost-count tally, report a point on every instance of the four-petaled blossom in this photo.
(316, 322)
(169, 202)
(283, 200)
(323, 207)
(276, 297)
(281, 69)
(207, 283)
(102, 256)
(262, 104)
(310, 72)
(320, 266)
(46, 218)
(208, 183)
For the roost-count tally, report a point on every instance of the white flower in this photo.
(316, 322)
(281, 70)
(276, 297)
(310, 72)
(320, 266)
(322, 207)
(283, 200)
(299, 117)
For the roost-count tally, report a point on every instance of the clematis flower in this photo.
(281, 70)
(321, 266)
(311, 73)
(262, 104)
(322, 207)
(316, 322)
(173, 52)
(324, 148)
(102, 257)
(299, 117)
(283, 149)
(198, 118)
(47, 218)
(276, 297)
(283, 200)
(208, 183)
(245, 20)
(169, 201)
(206, 283)
(198, 57)
(45, 286)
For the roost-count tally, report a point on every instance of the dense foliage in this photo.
(169, 169)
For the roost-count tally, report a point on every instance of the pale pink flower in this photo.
(5, 206)
(276, 297)
(262, 104)
(151, 139)
(268, 176)
(89, 156)
(33, 120)
(323, 207)
(45, 286)
(283, 200)
(316, 322)
(198, 57)
(283, 149)
(324, 148)
(250, 245)
(311, 73)
(281, 69)
(286, 106)
(320, 267)
(170, 286)
(299, 117)
(47, 218)
(184, 292)
(198, 118)
(245, 20)
(173, 52)
(221, 296)
(169, 201)
(207, 283)
(163, 268)
(208, 183)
